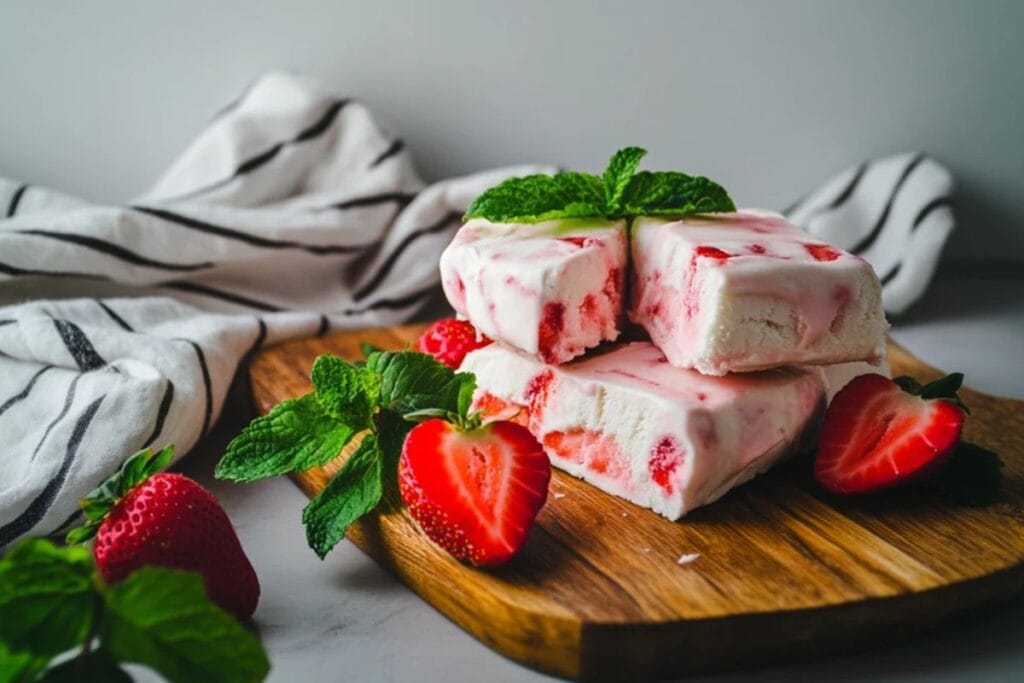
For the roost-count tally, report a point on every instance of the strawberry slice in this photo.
(449, 340)
(880, 432)
(474, 491)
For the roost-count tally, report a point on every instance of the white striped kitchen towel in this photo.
(122, 326)
(292, 214)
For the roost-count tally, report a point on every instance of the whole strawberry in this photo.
(474, 490)
(449, 340)
(141, 516)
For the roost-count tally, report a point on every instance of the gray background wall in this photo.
(767, 97)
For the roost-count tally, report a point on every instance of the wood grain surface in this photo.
(783, 569)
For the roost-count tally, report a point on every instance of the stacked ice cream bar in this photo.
(753, 324)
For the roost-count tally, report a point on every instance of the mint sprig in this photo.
(371, 398)
(53, 601)
(620, 193)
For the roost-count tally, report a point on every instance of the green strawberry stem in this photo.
(133, 472)
(944, 388)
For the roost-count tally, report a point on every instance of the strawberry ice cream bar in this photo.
(665, 438)
(746, 291)
(549, 289)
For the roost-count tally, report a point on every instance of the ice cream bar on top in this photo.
(745, 291)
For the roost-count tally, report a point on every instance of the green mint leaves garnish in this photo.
(133, 472)
(53, 601)
(372, 399)
(621, 193)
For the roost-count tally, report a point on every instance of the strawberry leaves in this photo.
(620, 193)
(944, 387)
(53, 601)
(371, 398)
(133, 472)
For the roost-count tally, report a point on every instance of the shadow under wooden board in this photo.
(782, 569)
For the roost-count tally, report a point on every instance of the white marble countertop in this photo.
(346, 619)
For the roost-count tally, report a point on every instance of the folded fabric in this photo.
(293, 214)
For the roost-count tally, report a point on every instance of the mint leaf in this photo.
(620, 169)
(162, 618)
(620, 193)
(132, 472)
(354, 491)
(295, 435)
(537, 198)
(390, 439)
(96, 667)
(411, 381)
(19, 667)
(667, 193)
(344, 391)
(46, 597)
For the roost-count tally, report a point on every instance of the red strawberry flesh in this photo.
(449, 340)
(876, 435)
(474, 493)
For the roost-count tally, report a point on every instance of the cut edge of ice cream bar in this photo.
(665, 438)
(551, 289)
(746, 291)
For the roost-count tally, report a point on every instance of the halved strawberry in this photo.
(449, 340)
(474, 491)
(879, 432)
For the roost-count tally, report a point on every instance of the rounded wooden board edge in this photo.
(569, 646)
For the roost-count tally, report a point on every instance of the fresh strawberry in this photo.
(449, 340)
(474, 490)
(141, 516)
(879, 432)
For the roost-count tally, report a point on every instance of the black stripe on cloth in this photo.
(933, 205)
(394, 304)
(23, 394)
(7, 322)
(8, 269)
(400, 198)
(868, 239)
(389, 263)
(69, 398)
(230, 297)
(78, 345)
(325, 326)
(161, 414)
(926, 210)
(114, 250)
(248, 238)
(208, 389)
(394, 148)
(12, 206)
(38, 508)
(847, 192)
(316, 129)
(888, 277)
(114, 316)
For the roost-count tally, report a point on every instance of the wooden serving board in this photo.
(783, 569)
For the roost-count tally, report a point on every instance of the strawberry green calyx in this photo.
(944, 387)
(133, 472)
